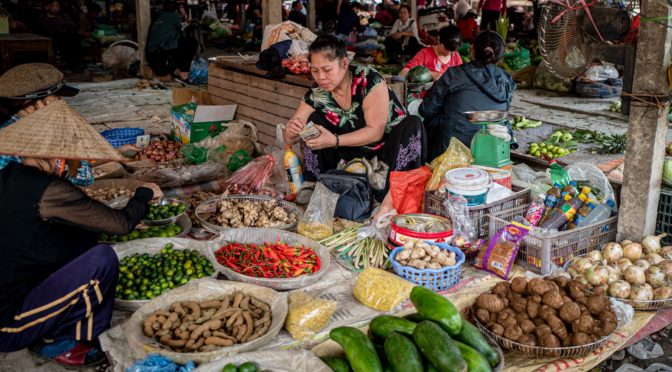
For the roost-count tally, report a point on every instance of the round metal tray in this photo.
(653, 305)
(538, 351)
(207, 208)
(153, 246)
(166, 221)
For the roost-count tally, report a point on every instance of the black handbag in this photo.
(355, 200)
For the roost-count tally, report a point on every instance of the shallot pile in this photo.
(160, 151)
(635, 271)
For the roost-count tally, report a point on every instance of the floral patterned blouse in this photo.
(364, 79)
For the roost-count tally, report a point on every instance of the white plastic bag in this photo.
(600, 72)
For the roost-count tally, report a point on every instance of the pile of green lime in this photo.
(145, 276)
(166, 231)
(161, 212)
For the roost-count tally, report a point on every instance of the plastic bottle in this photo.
(570, 189)
(563, 213)
(536, 210)
(292, 165)
(585, 209)
(559, 174)
(600, 213)
(552, 199)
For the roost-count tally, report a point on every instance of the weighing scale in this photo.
(488, 150)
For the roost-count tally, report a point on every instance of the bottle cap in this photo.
(541, 196)
(557, 185)
(567, 197)
(573, 183)
(592, 205)
(585, 190)
(583, 197)
(611, 203)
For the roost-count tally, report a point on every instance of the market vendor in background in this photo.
(468, 26)
(26, 88)
(57, 283)
(476, 86)
(403, 37)
(438, 58)
(169, 51)
(490, 11)
(296, 15)
(358, 117)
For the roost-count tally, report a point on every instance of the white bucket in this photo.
(471, 183)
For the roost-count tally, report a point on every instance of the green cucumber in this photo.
(402, 353)
(359, 350)
(470, 335)
(247, 367)
(230, 368)
(414, 317)
(431, 368)
(437, 346)
(432, 306)
(382, 326)
(337, 364)
(475, 361)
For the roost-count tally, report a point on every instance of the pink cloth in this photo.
(495, 5)
(427, 57)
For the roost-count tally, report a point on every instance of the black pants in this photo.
(165, 62)
(489, 19)
(404, 148)
(394, 47)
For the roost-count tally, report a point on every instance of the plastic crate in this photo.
(541, 252)
(433, 204)
(664, 219)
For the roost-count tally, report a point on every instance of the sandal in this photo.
(71, 354)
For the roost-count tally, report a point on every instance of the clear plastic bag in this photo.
(457, 155)
(600, 72)
(463, 227)
(317, 222)
(381, 290)
(307, 315)
(250, 179)
(594, 178)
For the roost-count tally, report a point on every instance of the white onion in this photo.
(597, 275)
(619, 289)
(666, 252)
(651, 243)
(612, 252)
(662, 293)
(583, 281)
(623, 264)
(595, 256)
(583, 264)
(635, 275)
(654, 258)
(644, 264)
(667, 267)
(655, 276)
(573, 272)
(642, 292)
(633, 251)
(626, 242)
(614, 274)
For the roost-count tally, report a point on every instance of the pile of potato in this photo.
(160, 151)
(106, 194)
(551, 313)
(206, 326)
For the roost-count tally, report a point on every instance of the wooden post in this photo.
(143, 18)
(312, 22)
(414, 9)
(271, 12)
(647, 127)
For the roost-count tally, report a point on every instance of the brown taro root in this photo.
(557, 326)
(535, 298)
(539, 286)
(522, 316)
(606, 328)
(580, 338)
(583, 324)
(519, 285)
(549, 340)
(490, 302)
(575, 291)
(497, 329)
(527, 326)
(510, 311)
(597, 303)
(570, 311)
(519, 305)
(501, 289)
(542, 330)
(561, 281)
(553, 299)
(538, 322)
(608, 316)
(532, 309)
(545, 311)
(528, 339)
(483, 316)
(506, 320)
(513, 333)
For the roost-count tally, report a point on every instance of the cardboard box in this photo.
(193, 123)
(183, 96)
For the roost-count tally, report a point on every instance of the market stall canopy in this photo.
(56, 131)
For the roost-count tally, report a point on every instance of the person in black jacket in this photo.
(57, 283)
(296, 15)
(476, 86)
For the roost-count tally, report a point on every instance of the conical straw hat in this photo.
(56, 131)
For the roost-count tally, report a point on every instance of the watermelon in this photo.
(419, 74)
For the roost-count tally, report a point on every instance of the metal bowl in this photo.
(486, 116)
(205, 210)
(166, 221)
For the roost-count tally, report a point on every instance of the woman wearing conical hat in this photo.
(56, 282)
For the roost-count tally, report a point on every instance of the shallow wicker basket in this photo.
(205, 210)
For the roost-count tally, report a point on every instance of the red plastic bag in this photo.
(407, 189)
(251, 179)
